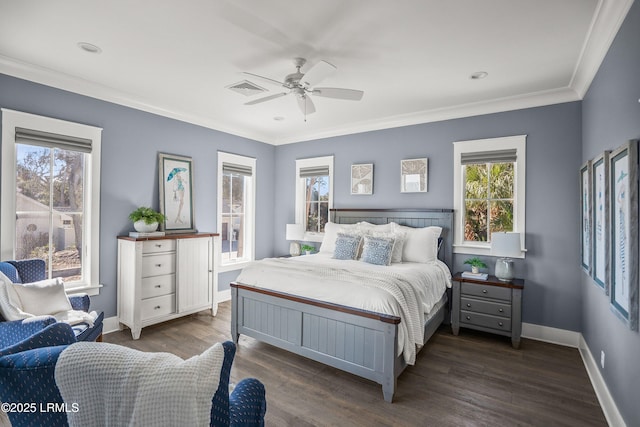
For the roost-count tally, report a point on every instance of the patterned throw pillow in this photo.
(347, 246)
(377, 250)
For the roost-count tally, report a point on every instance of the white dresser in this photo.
(161, 278)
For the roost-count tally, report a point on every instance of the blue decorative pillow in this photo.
(377, 250)
(347, 246)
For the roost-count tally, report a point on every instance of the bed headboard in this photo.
(417, 218)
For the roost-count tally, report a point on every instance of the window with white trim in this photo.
(314, 195)
(53, 169)
(489, 191)
(236, 209)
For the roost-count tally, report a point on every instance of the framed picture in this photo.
(362, 179)
(600, 210)
(413, 175)
(623, 188)
(176, 193)
(585, 216)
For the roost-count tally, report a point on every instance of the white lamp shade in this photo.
(506, 245)
(295, 232)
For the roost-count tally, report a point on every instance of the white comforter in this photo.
(406, 290)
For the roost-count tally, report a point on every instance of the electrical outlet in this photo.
(602, 358)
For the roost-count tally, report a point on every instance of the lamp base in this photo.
(504, 269)
(294, 249)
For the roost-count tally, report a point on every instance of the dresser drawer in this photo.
(158, 265)
(158, 306)
(485, 320)
(158, 285)
(154, 246)
(487, 307)
(486, 291)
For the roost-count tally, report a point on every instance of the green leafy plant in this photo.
(476, 262)
(308, 248)
(148, 215)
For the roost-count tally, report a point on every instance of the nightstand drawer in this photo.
(158, 306)
(485, 320)
(158, 285)
(486, 291)
(486, 307)
(154, 246)
(158, 265)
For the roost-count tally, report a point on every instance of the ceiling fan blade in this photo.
(306, 105)
(266, 79)
(338, 93)
(317, 73)
(266, 98)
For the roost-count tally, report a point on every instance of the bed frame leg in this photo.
(388, 391)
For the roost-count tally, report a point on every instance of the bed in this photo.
(373, 344)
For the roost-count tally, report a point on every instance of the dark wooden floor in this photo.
(474, 379)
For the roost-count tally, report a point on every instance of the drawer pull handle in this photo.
(500, 323)
(468, 317)
(468, 305)
(484, 291)
(157, 307)
(158, 286)
(158, 245)
(500, 310)
(158, 265)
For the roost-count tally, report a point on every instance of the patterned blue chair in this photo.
(28, 377)
(34, 270)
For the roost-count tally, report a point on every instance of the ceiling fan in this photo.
(302, 84)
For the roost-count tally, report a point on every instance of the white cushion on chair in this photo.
(9, 302)
(43, 297)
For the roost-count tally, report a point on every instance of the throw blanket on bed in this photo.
(118, 386)
(408, 291)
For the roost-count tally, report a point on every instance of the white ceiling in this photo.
(412, 58)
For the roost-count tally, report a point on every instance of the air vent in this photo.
(246, 88)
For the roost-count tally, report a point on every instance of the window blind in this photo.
(52, 140)
(237, 169)
(497, 156)
(314, 171)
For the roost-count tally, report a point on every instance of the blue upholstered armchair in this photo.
(19, 372)
(33, 270)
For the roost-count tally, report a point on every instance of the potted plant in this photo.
(308, 249)
(476, 264)
(146, 220)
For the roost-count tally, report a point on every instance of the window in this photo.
(489, 191)
(314, 195)
(53, 168)
(236, 200)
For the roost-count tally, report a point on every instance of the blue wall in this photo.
(610, 117)
(552, 292)
(131, 140)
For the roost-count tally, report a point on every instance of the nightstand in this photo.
(490, 305)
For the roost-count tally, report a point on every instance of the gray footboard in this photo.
(355, 341)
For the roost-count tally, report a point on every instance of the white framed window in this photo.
(236, 209)
(314, 195)
(53, 169)
(489, 191)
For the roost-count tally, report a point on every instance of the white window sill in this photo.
(480, 250)
(91, 290)
(232, 266)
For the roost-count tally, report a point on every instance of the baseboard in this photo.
(110, 324)
(551, 335)
(608, 405)
(223, 296)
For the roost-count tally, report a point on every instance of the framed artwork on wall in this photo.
(176, 193)
(600, 209)
(623, 189)
(362, 179)
(414, 175)
(585, 216)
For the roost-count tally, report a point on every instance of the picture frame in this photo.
(601, 266)
(623, 214)
(362, 179)
(175, 184)
(414, 175)
(585, 217)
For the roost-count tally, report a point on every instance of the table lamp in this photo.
(295, 232)
(505, 246)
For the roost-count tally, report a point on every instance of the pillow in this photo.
(377, 250)
(421, 244)
(43, 297)
(9, 301)
(347, 246)
(331, 230)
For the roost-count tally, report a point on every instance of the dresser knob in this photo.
(484, 291)
(468, 317)
(156, 307)
(158, 265)
(158, 286)
(500, 310)
(500, 323)
(158, 245)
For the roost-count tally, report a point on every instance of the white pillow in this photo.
(9, 301)
(43, 297)
(421, 244)
(331, 230)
